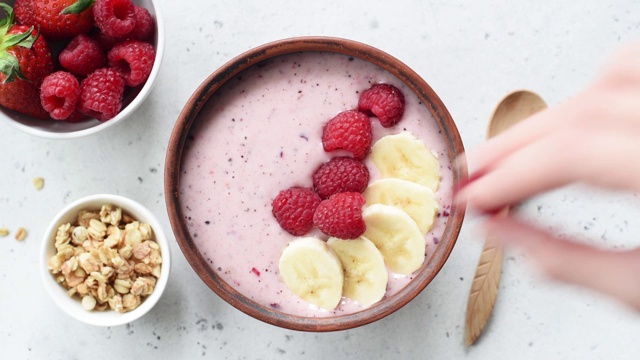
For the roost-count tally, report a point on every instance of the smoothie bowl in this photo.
(309, 183)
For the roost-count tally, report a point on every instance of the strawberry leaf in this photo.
(77, 7)
(7, 22)
(22, 39)
(10, 66)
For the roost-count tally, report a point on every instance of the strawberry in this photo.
(57, 19)
(25, 60)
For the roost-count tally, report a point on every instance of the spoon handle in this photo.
(512, 109)
(484, 289)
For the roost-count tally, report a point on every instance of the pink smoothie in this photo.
(261, 133)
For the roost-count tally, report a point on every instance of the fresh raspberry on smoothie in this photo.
(384, 101)
(293, 208)
(349, 130)
(340, 174)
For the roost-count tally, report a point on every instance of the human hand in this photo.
(593, 138)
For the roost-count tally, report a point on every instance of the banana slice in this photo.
(416, 200)
(365, 275)
(397, 237)
(403, 156)
(311, 270)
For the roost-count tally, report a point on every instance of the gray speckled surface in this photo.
(471, 53)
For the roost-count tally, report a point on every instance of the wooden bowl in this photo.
(206, 267)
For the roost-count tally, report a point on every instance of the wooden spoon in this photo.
(512, 109)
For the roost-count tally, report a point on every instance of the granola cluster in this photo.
(107, 259)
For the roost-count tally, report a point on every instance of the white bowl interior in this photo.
(73, 306)
(133, 97)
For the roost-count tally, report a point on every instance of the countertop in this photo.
(471, 52)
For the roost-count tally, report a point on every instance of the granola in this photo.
(38, 183)
(107, 260)
(21, 234)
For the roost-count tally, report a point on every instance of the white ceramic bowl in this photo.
(73, 306)
(64, 130)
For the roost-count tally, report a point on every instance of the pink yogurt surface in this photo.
(261, 133)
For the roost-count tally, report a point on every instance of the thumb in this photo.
(613, 273)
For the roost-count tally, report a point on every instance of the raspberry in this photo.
(341, 215)
(384, 101)
(101, 94)
(115, 18)
(144, 24)
(76, 117)
(134, 60)
(106, 42)
(82, 56)
(340, 174)
(59, 94)
(349, 130)
(294, 208)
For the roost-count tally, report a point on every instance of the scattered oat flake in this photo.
(21, 234)
(38, 183)
(4, 232)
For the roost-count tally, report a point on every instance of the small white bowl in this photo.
(65, 130)
(73, 306)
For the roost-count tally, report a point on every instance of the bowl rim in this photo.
(126, 111)
(58, 293)
(229, 70)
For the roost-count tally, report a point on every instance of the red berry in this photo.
(76, 117)
(341, 215)
(384, 101)
(349, 130)
(55, 19)
(106, 42)
(144, 25)
(294, 208)
(82, 56)
(134, 60)
(24, 66)
(59, 94)
(340, 174)
(23, 12)
(115, 18)
(101, 94)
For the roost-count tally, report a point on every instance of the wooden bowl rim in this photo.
(173, 165)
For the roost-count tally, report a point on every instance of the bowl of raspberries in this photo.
(71, 68)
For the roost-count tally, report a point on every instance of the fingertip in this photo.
(460, 163)
(475, 199)
(506, 229)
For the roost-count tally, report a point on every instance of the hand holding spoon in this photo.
(515, 107)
